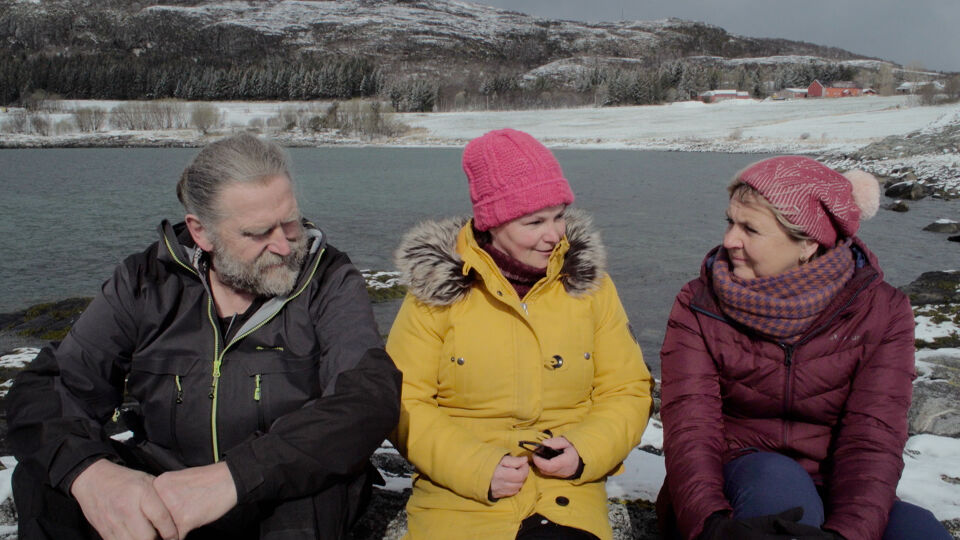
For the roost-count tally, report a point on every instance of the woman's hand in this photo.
(563, 466)
(508, 477)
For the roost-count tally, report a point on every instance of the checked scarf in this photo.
(783, 306)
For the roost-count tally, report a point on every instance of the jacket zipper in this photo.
(177, 400)
(218, 355)
(257, 392)
(787, 388)
(215, 382)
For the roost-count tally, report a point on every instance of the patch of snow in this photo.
(931, 475)
(19, 357)
(927, 329)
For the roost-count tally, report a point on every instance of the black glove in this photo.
(780, 526)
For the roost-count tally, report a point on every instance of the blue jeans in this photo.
(765, 483)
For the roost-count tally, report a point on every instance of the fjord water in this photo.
(68, 216)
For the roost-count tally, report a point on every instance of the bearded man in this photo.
(249, 348)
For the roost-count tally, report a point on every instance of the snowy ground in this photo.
(794, 126)
(801, 126)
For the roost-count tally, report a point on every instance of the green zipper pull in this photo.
(176, 380)
(256, 391)
(216, 376)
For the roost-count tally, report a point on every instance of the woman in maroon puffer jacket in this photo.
(787, 371)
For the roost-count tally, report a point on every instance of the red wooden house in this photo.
(834, 89)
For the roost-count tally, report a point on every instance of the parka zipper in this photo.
(177, 400)
(787, 388)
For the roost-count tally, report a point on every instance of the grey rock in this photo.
(912, 191)
(943, 227)
(934, 288)
(897, 206)
(936, 399)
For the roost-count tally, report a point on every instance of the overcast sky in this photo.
(903, 31)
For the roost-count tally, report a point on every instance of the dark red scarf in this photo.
(783, 306)
(522, 276)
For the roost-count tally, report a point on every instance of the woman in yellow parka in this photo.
(513, 344)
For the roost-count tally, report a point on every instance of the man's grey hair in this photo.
(237, 159)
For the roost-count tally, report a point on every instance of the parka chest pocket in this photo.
(162, 387)
(276, 383)
(568, 361)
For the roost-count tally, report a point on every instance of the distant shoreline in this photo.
(835, 130)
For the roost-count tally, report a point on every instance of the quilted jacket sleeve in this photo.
(868, 448)
(692, 420)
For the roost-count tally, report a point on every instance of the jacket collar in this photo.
(177, 247)
(440, 261)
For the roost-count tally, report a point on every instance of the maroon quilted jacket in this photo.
(836, 401)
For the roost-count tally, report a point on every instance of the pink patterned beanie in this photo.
(819, 200)
(511, 175)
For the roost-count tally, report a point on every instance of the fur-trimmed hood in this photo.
(433, 270)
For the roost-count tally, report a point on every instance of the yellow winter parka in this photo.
(484, 369)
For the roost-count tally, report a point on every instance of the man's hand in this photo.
(563, 466)
(121, 503)
(198, 495)
(509, 476)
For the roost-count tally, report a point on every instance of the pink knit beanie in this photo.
(511, 175)
(819, 200)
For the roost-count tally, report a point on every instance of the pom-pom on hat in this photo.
(511, 175)
(819, 200)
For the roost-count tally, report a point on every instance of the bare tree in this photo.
(90, 118)
(40, 124)
(205, 117)
(885, 80)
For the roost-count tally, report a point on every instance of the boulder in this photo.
(912, 191)
(936, 395)
(896, 206)
(943, 226)
(44, 321)
(934, 288)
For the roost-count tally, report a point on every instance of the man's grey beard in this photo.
(261, 277)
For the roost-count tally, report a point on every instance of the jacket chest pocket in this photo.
(164, 388)
(277, 384)
(478, 365)
(568, 364)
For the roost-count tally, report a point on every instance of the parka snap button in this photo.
(562, 501)
(499, 293)
(555, 362)
(586, 356)
(460, 361)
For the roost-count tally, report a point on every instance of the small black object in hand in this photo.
(540, 450)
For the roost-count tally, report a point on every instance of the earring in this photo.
(803, 260)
